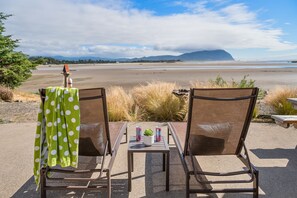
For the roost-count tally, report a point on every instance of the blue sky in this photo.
(249, 30)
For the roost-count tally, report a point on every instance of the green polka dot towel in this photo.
(57, 133)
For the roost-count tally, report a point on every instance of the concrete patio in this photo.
(272, 150)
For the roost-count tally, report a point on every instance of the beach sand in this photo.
(128, 75)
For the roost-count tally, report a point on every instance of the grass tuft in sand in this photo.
(157, 103)
(6, 94)
(277, 100)
(120, 105)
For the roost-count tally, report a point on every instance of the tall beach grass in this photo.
(277, 100)
(120, 105)
(157, 103)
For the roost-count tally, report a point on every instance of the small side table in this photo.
(139, 147)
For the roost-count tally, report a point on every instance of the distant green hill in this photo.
(204, 55)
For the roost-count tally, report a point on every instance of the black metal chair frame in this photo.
(44, 172)
(244, 157)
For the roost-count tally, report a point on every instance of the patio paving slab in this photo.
(272, 150)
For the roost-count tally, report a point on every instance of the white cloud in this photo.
(112, 28)
(239, 13)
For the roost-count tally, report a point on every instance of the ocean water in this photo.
(221, 67)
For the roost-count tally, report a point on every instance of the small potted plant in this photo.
(148, 137)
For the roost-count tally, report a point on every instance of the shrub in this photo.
(6, 94)
(219, 82)
(243, 83)
(277, 100)
(157, 103)
(120, 105)
(15, 67)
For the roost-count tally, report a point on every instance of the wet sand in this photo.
(127, 75)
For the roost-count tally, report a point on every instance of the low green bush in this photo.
(243, 83)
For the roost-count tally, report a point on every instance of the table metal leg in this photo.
(129, 172)
(132, 161)
(167, 170)
(164, 160)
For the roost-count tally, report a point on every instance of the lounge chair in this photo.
(218, 122)
(98, 138)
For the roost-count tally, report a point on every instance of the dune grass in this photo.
(24, 96)
(6, 94)
(154, 101)
(277, 100)
(120, 105)
(157, 103)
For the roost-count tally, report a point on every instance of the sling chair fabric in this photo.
(218, 122)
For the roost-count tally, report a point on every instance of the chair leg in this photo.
(108, 184)
(168, 135)
(42, 183)
(256, 184)
(187, 185)
(126, 135)
(132, 161)
(129, 172)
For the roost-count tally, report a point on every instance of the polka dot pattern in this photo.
(68, 112)
(76, 107)
(60, 127)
